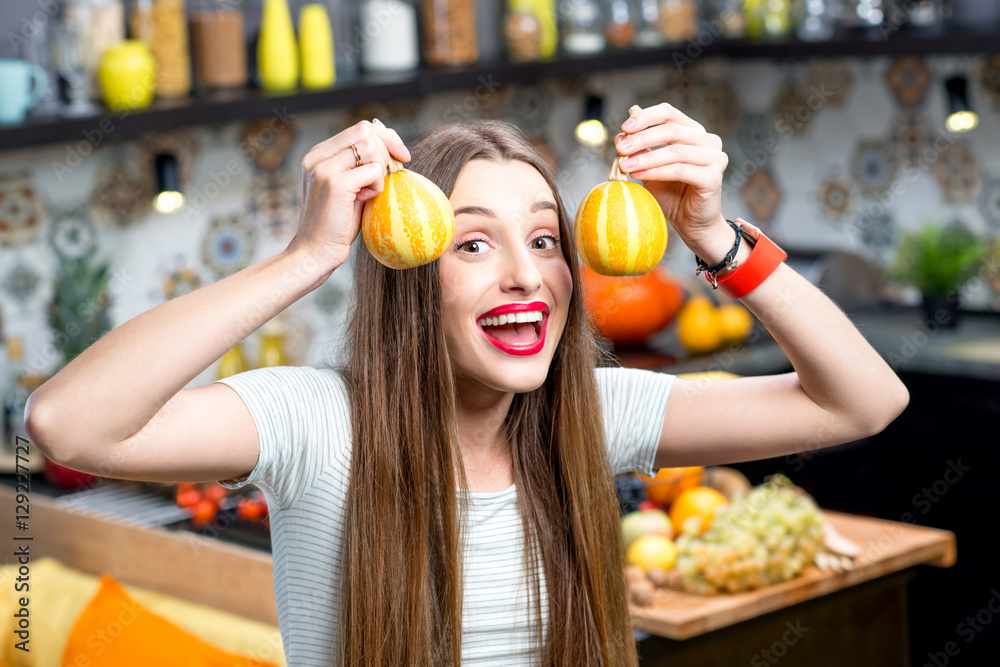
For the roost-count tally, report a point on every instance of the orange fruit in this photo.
(701, 502)
(669, 482)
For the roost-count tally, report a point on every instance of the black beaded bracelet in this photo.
(728, 262)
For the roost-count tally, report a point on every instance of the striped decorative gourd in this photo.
(410, 222)
(620, 228)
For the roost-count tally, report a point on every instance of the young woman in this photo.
(378, 560)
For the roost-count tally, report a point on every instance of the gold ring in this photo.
(357, 156)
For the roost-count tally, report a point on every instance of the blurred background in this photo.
(149, 147)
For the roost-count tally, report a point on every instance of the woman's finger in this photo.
(667, 133)
(672, 154)
(360, 132)
(656, 115)
(702, 178)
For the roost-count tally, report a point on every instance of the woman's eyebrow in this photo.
(488, 213)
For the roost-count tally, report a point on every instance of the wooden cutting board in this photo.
(887, 546)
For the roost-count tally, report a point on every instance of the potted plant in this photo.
(938, 260)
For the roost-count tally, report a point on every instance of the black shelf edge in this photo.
(245, 104)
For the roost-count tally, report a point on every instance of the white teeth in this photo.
(510, 318)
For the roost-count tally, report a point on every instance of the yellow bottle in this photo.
(277, 51)
(545, 12)
(232, 362)
(316, 47)
(271, 351)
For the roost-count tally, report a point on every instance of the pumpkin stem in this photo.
(394, 165)
(616, 173)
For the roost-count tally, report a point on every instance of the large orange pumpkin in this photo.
(628, 310)
(620, 228)
(410, 222)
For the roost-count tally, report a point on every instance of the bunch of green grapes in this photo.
(766, 537)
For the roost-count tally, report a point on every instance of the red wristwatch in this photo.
(765, 256)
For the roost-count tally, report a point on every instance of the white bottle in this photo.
(387, 35)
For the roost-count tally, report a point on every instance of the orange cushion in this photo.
(116, 631)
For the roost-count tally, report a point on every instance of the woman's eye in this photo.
(472, 247)
(544, 243)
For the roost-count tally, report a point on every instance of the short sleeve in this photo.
(294, 408)
(633, 402)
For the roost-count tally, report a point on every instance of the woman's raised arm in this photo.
(120, 408)
(841, 389)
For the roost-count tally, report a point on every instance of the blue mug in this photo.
(22, 85)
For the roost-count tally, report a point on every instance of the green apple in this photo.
(646, 522)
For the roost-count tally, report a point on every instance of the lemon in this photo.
(735, 322)
(699, 328)
(652, 551)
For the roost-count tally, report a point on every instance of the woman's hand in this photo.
(681, 165)
(335, 188)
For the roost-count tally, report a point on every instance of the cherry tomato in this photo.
(216, 492)
(188, 497)
(204, 512)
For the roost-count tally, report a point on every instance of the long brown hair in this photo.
(401, 576)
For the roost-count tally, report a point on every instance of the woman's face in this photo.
(506, 285)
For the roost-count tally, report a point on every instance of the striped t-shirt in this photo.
(302, 418)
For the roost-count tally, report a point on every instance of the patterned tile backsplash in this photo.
(825, 155)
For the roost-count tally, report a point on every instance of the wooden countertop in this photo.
(887, 546)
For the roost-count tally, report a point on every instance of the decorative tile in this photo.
(762, 195)
(910, 133)
(122, 195)
(21, 210)
(402, 115)
(721, 108)
(790, 108)
(228, 245)
(989, 78)
(957, 172)
(531, 109)
(874, 231)
(72, 233)
(908, 78)
(874, 166)
(832, 78)
(273, 205)
(180, 280)
(182, 144)
(267, 141)
(757, 136)
(989, 201)
(836, 200)
(20, 282)
(684, 88)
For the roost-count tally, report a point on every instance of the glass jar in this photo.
(679, 19)
(583, 26)
(100, 24)
(389, 40)
(813, 21)
(522, 32)
(219, 45)
(449, 32)
(620, 29)
(731, 18)
(162, 24)
(768, 19)
(649, 33)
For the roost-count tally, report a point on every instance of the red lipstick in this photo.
(518, 350)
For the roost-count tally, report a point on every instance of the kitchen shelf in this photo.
(243, 104)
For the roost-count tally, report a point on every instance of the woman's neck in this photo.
(485, 451)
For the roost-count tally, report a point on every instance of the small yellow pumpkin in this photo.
(620, 228)
(410, 222)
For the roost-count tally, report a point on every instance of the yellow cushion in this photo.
(59, 595)
(116, 631)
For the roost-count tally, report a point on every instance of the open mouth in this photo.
(519, 332)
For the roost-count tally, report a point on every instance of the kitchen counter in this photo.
(901, 335)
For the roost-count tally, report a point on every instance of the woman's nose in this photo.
(520, 274)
